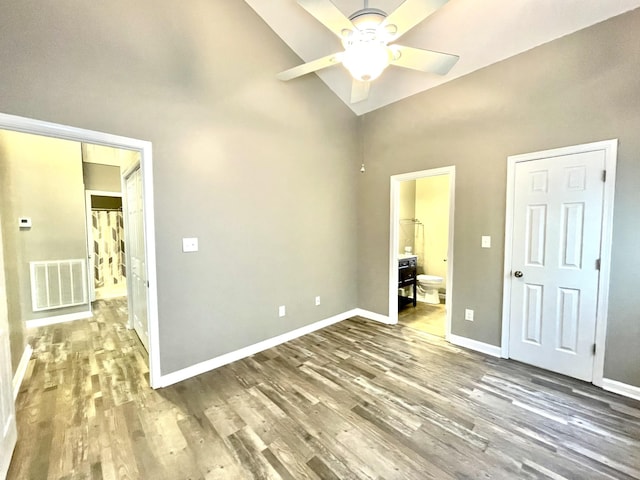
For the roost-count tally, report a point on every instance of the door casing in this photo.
(8, 426)
(610, 150)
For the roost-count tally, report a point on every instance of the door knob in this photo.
(517, 274)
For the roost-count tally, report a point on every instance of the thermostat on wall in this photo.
(24, 222)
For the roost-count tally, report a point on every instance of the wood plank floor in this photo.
(358, 400)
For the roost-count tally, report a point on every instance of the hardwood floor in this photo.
(357, 400)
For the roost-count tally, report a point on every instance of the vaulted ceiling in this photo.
(480, 32)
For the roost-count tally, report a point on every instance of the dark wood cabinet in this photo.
(407, 278)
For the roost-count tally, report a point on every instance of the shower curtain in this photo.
(108, 250)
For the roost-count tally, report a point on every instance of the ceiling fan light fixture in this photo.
(366, 60)
(367, 36)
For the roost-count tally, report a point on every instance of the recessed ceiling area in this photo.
(481, 33)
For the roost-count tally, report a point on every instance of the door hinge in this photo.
(147, 283)
(594, 348)
(604, 175)
(597, 264)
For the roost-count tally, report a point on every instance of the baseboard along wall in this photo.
(475, 345)
(21, 370)
(70, 317)
(621, 388)
(488, 349)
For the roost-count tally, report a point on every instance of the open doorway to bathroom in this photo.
(422, 244)
(106, 239)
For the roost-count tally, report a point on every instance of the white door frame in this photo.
(47, 129)
(8, 426)
(88, 195)
(610, 148)
(394, 241)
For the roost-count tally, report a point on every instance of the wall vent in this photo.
(58, 284)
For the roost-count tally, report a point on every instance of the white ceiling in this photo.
(481, 32)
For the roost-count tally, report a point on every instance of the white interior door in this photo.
(557, 222)
(8, 432)
(136, 268)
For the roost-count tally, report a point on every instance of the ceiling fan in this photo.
(366, 36)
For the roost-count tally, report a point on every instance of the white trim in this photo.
(21, 370)
(610, 148)
(124, 174)
(69, 317)
(474, 345)
(376, 317)
(38, 127)
(103, 193)
(394, 241)
(91, 284)
(621, 388)
(208, 365)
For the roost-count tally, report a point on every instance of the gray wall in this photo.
(578, 89)
(17, 340)
(263, 172)
(42, 179)
(272, 166)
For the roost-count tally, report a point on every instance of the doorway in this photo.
(20, 124)
(557, 256)
(421, 226)
(105, 240)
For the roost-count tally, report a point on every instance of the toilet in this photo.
(428, 286)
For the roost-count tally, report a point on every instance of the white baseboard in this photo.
(621, 388)
(208, 365)
(475, 345)
(377, 317)
(70, 317)
(21, 370)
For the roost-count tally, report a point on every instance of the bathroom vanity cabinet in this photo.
(407, 278)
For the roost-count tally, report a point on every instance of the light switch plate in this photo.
(282, 311)
(189, 245)
(486, 241)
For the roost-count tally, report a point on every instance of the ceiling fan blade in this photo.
(313, 66)
(423, 60)
(359, 91)
(408, 15)
(328, 14)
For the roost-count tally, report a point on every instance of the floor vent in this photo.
(58, 284)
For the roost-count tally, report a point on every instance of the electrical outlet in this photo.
(282, 311)
(468, 314)
(317, 300)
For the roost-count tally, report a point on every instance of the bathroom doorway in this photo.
(422, 207)
(106, 238)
